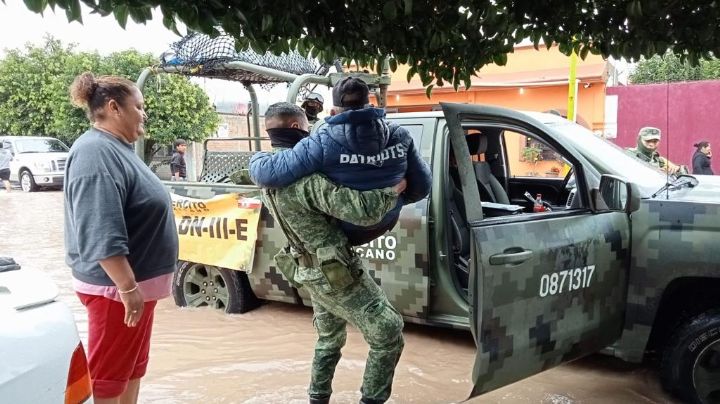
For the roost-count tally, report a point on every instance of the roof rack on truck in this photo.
(199, 55)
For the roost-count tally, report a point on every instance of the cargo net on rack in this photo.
(203, 56)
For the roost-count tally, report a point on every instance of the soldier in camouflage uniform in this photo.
(647, 144)
(324, 263)
(313, 105)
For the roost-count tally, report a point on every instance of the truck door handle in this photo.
(515, 255)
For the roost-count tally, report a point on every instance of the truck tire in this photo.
(200, 285)
(27, 182)
(690, 365)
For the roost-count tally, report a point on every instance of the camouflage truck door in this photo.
(545, 288)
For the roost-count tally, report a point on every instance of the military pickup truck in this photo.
(620, 258)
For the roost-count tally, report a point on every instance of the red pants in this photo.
(116, 353)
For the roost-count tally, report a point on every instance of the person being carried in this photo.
(357, 148)
(648, 140)
(177, 164)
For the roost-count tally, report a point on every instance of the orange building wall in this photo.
(524, 65)
(590, 105)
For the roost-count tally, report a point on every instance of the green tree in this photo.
(34, 96)
(670, 67)
(442, 41)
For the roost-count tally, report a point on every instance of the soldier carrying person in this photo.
(320, 259)
(357, 148)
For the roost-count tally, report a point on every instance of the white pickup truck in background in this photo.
(37, 161)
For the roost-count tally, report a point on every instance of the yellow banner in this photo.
(220, 231)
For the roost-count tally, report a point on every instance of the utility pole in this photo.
(572, 88)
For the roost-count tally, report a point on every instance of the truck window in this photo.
(416, 132)
(536, 168)
(529, 157)
(41, 146)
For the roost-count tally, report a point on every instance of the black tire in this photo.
(27, 182)
(200, 285)
(690, 365)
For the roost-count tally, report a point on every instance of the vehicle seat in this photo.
(490, 188)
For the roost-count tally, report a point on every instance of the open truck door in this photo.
(545, 288)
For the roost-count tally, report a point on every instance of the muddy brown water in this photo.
(204, 356)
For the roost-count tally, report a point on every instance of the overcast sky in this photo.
(18, 26)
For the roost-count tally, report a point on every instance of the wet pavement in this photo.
(204, 356)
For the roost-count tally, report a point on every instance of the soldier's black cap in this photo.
(351, 93)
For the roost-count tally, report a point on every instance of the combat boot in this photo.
(366, 400)
(319, 399)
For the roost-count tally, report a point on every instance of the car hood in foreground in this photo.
(25, 288)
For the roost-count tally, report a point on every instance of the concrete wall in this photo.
(685, 113)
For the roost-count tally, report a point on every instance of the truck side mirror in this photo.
(616, 194)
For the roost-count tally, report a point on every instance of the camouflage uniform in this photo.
(646, 155)
(305, 207)
(652, 157)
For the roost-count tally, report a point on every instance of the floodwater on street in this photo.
(205, 356)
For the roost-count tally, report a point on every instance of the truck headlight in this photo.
(43, 166)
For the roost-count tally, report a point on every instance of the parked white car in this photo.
(37, 161)
(42, 358)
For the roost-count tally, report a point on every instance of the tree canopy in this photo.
(35, 100)
(442, 41)
(670, 67)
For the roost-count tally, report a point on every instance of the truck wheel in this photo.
(691, 363)
(199, 285)
(27, 182)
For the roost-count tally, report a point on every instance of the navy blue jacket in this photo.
(358, 149)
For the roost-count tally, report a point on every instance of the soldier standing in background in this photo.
(313, 105)
(647, 150)
(320, 259)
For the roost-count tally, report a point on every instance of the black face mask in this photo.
(286, 137)
(312, 112)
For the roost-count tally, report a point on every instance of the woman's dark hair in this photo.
(93, 93)
(702, 144)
